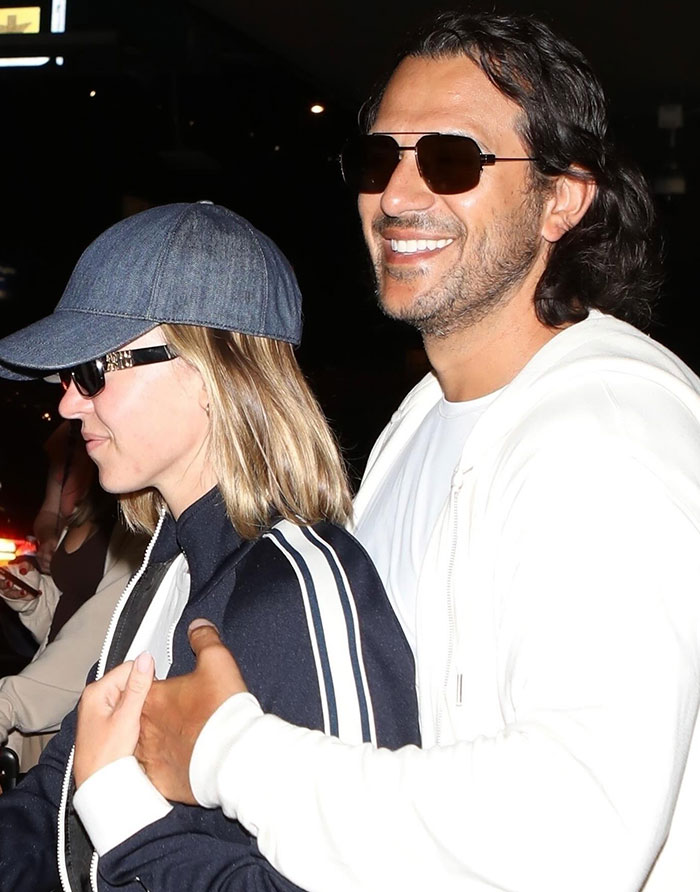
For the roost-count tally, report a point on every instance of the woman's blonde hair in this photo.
(269, 443)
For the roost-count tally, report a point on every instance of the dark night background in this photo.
(211, 99)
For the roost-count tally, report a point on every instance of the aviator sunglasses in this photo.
(447, 162)
(89, 377)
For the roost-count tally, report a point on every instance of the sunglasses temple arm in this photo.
(488, 160)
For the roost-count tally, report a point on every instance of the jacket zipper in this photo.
(93, 871)
(124, 597)
(62, 870)
(451, 621)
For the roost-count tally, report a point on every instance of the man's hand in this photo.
(108, 716)
(177, 709)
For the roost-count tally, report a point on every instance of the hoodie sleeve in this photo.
(593, 609)
(36, 613)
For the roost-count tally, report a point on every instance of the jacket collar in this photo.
(204, 534)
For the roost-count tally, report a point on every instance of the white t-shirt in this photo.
(396, 526)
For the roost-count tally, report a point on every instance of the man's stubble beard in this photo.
(498, 260)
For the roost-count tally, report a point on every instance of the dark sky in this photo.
(643, 51)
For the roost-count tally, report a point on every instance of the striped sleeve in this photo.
(331, 615)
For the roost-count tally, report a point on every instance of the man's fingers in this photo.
(203, 633)
(213, 657)
(205, 640)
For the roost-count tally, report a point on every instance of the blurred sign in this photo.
(20, 20)
(47, 17)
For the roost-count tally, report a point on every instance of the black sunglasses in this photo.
(89, 377)
(447, 162)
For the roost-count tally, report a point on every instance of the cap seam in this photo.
(256, 237)
(160, 262)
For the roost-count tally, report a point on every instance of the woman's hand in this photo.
(12, 583)
(45, 551)
(109, 716)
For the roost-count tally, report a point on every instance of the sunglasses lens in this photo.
(369, 161)
(88, 377)
(449, 163)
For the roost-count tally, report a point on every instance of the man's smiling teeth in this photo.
(412, 245)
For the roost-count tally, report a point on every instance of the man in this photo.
(533, 507)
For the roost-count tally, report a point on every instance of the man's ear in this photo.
(568, 202)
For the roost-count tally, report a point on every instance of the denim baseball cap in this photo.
(192, 264)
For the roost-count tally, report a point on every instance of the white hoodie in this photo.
(558, 656)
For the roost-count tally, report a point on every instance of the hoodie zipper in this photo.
(62, 869)
(451, 620)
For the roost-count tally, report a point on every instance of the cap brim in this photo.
(64, 339)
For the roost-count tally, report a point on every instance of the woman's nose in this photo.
(73, 404)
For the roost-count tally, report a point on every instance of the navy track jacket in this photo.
(277, 612)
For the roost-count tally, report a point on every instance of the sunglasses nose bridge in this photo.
(423, 150)
(417, 155)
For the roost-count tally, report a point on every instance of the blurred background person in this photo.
(68, 481)
(90, 567)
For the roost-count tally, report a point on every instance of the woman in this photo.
(69, 478)
(174, 340)
(85, 549)
(90, 566)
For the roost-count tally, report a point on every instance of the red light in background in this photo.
(10, 549)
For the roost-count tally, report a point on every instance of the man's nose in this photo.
(406, 190)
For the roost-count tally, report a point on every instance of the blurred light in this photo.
(46, 416)
(317, 109)
(7, 274)
(277, 148)
(93, 93)
(58, 16)
(59, 60)
(10, 549)
(23, 62)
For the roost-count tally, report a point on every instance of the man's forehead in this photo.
(450, 94)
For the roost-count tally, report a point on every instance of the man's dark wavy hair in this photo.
(610, 260)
